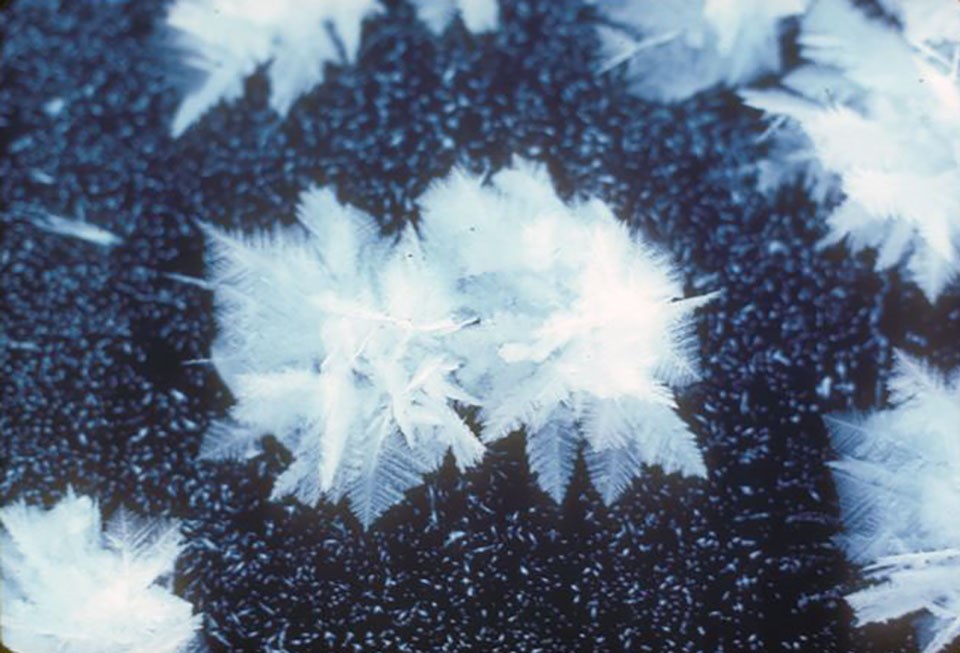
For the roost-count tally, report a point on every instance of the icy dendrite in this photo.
(227, 40)
(678, 48)
(585, 331)
(477, 15)
(68, 586)
(878, 110)
(360, 355)
(340, 344)
(899, 486)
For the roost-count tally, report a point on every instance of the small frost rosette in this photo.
(586, 331)
(71, 587)
(677, 48)
(899, 486)
(227, 40)
(339, 344)
(879, 109)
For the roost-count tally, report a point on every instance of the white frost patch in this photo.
(899, 486)
(227, 40)
(586, 331)
(69, 586)
(877, 112)
(358, 354)
(339, 344)
(678, 48)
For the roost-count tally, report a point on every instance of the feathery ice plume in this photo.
(339, 344)
(880, 111)
(678, 48)
(227, 40)
(586, 330)
(477, 15)
(899, 486)
(68, 586)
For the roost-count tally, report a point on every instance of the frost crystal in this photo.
(357, 353)
(477, 15)
(339, 344)
(70, 587)
(586, 328)
(678, 48)
(880, 109)
(899, 485)
(229, 39)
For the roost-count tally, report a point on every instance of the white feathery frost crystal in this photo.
(899, 486)
(340, 344)
(358, 353)
(477, 15)
(227, 40)
(586, 329)
(677, 48)
(880, 111)
(68, 586)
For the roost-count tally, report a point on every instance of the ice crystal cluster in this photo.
(71, 587)
(362, 355)
(877, 109)
(676, 49)
(226, 41)
(899, 486)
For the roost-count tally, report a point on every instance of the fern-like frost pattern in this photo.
(879, 108)
(69, 586)
(361, 355)
(676, 49)
(899, 486)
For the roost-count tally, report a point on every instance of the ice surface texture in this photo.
(899, 485)
(880, 109)
(71, 587)
(361, 356)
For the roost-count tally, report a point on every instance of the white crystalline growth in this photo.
(227, 40)
(899, 486)
(678, 48)
(68, 586)
(585, 331)
(338, 343)
(880, 111)
(477, 15)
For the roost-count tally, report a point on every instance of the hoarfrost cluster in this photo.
(899, 486)
(363, 356)
(69, 586)
(676, 49)
(226, 41)
(875, 112)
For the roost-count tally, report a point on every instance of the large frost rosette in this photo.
(360, 354)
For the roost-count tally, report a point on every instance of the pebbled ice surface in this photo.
(103, 385)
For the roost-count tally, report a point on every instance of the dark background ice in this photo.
(98, 392)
